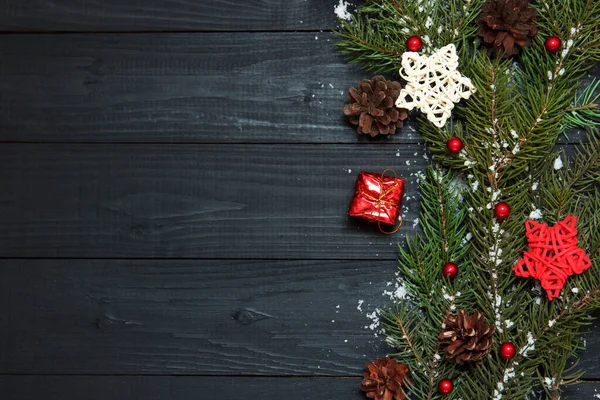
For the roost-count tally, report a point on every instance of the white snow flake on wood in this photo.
(434, 84)
(360, 303)
(341, 10)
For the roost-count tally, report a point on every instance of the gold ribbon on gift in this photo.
(381, 200)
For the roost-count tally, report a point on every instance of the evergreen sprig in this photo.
(414, 328)
(510, 128)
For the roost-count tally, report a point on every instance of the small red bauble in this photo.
(508, 350)
(502, 210)
(454, 145)
(450, 270)
(414, 43)
(445, 386)
(553, 44)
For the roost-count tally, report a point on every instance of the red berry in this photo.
(414, 43)
(445, 386)
(508, 350)
(450, 270)
(502, 210)
(454, 145)
(553, 44)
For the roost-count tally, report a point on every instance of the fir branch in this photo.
(510, 127)
(444, 239)
(409, 342)
(584, 111)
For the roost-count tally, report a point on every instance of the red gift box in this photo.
(377, 197)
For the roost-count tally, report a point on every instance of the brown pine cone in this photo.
(507, 25)
(466, 338)
(373, 106)
(385, 379)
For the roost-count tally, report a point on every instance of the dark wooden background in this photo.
(174, 187)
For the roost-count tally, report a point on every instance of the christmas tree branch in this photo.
(444, 238)
(409, 342)
(584, 111)
(509, 127)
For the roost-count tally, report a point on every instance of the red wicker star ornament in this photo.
(553, 255)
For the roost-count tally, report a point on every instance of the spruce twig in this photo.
(510, 128)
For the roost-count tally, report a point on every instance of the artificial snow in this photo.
(530, 345)
(399, 293)
(536, 214)
(341, 10)
(360, 303)
(567, 48)
(509, 374)
(549, 382)
(496, 195)
(374, 316)
(558, 164)
(466, 239)
(447, 296)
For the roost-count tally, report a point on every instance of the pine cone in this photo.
(507, 25)
(385, 379)
(466, 338)
(372, 106)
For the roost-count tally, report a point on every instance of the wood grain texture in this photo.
(167, 15)
(203, 88)
(280, 318)
(192, 88)
(196, 201)
(188, 317)
(202, 388)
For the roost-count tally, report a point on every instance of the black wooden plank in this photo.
(201, 88)
(188, 317)
(195, 317)
(202, 388)
(167, 15)
(190, 201)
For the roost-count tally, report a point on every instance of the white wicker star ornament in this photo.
(434, 84)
